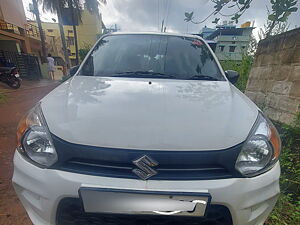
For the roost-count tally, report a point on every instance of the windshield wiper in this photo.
(143, 74)
(202, 77)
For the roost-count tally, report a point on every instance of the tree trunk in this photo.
(71, 6)
(62, 34)
(42, 35)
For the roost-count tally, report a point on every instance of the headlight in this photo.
(261, 149)
(34, 139)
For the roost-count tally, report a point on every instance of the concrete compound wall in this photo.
(274, 80)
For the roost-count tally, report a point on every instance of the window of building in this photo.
(70, 31)
(221, 48)
(50, 30)
(233, 42)
(232, 48)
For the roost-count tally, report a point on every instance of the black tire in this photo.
(14, 83)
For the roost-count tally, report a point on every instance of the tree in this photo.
(281, 9)
(252, 46)
(42, 35)
(277, 29)
(92, 6)
(237, 8)
(55, 6)
(72, 4)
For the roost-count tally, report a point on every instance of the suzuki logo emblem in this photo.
(145, 165)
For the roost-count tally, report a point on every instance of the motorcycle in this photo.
(10, 76)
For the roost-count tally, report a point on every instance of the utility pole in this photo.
(42, 35)
(162, 26)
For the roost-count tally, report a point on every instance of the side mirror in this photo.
(232, 76)
(73, 70)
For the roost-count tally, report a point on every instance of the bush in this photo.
(84, 51)
(287, 210)
(243, 67)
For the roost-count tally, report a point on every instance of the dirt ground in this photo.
(16, 104)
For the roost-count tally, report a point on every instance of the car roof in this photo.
(159, 33)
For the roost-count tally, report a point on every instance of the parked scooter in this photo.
(10, 76)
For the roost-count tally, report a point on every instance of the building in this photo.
(88, 32)
(12, 27)
(206, 31)
(18, 40)
(230, 42)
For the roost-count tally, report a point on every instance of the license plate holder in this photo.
(103, 200)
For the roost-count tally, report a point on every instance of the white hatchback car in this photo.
(149, 130)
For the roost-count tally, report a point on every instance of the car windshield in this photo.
(152, 56)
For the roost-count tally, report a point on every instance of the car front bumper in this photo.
(249, 200)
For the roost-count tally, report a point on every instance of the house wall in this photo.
(89, 30)
(274, 80)
(240, 42)
(12, 11)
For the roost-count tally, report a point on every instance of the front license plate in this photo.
(139, 202)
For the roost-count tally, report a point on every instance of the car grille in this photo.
(172, 165)
(70, 212)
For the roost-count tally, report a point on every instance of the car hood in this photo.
(149, 114)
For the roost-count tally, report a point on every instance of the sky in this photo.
(146, 15)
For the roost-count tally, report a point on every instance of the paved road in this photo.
(17, 103)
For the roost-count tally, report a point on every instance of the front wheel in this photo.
(14, 83)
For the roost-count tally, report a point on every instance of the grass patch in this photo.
(3, 98)
(287, 209)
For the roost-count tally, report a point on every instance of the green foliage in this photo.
(84, 51)
(64, 78)
(277, 29)
(188, 16)
(237, 8)
(3, 98)
(287, 210)
(243, 68)
(281, 10)
(216, 21)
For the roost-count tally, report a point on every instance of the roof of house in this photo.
(228, 31)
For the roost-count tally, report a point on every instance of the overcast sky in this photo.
(146, 15)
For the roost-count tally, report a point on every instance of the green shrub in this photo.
(242, 67)
(84, 51)
(287, 210)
